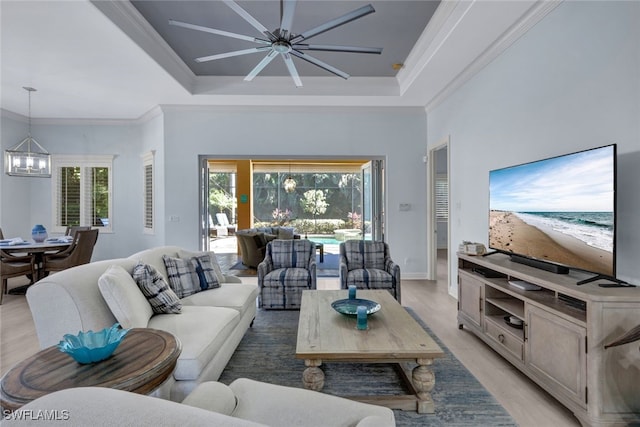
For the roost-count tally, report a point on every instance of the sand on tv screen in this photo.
(560, 210)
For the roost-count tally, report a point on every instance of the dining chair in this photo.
(14, 266)
(79, 252)
(71, 230)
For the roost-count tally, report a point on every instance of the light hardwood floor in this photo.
(527, 403)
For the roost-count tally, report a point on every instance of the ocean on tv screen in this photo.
(593, 228)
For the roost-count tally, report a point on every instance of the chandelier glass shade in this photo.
(28, 157)
(289, 184)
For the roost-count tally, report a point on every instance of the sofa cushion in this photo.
(106, 407)
(214, 261)
(124, 298)
(239, 296)
(153, 286)
(199, 343)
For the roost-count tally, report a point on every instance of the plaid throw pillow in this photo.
(205, 271)
(212, 257)
(161, 297)
(181, 275)
(189, 276)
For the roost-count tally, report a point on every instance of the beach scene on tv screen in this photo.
(559, 210)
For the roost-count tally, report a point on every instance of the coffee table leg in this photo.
(424, 380)
(313, 377)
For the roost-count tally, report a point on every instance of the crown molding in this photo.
(534, 15)
(126, 17)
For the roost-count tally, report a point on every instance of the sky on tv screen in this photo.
(579, 182)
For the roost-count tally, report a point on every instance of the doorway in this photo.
(322, 199)
(438, 213)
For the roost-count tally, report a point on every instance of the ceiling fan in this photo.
(282, 42)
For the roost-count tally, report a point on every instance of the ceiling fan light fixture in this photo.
(283, 42)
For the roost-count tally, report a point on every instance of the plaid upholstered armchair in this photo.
(368, 265)
(289, 267)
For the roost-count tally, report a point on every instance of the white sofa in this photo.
(243, 403)
(210, 327)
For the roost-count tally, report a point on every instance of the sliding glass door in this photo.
(372, 200)
(328, 195)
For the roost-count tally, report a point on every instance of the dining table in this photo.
(35, 249)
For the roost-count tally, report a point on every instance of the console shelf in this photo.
(564, 330)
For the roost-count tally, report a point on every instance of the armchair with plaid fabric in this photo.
(368, 265)
(288, 268)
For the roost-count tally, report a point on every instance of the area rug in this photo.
(267, 353)
(329, 267)
(241, 270)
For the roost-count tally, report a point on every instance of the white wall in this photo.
(35, 194)
(15, 192)
(396, 134)
(180, 134)
(571, 83)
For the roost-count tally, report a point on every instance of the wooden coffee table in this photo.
(325, 335)
(144, 359)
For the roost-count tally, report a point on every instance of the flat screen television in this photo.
(557, 213)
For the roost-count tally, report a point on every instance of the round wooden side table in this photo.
(144, 359)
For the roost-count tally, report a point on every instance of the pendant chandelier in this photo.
(289, 184)
(28, 158)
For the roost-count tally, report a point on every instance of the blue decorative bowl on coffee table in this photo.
(349, 306)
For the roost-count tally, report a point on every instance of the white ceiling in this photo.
(103, 60)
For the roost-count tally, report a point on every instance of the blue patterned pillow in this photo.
(181, 275)
(189, 276)
(205, 271)
(161, 297)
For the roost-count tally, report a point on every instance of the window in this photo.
(82, 191)
(147, 208)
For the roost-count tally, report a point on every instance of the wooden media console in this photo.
(556, 335)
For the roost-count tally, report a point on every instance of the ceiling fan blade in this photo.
(218, 32)
(265, 61)
(320, 64)
(329, 48)
(292, 69)
(230, 54)
(288, 9)
(250, 19)
(351, 16)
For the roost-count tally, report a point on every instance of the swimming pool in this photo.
(323, 239)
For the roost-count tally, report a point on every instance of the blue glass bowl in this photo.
(91, 347)
(350, 306)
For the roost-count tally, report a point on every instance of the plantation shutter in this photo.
(442, 198)
(148, 196)
(68, 183)
(96, 192)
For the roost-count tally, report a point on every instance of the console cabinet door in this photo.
(555, 353)
(470, 298)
